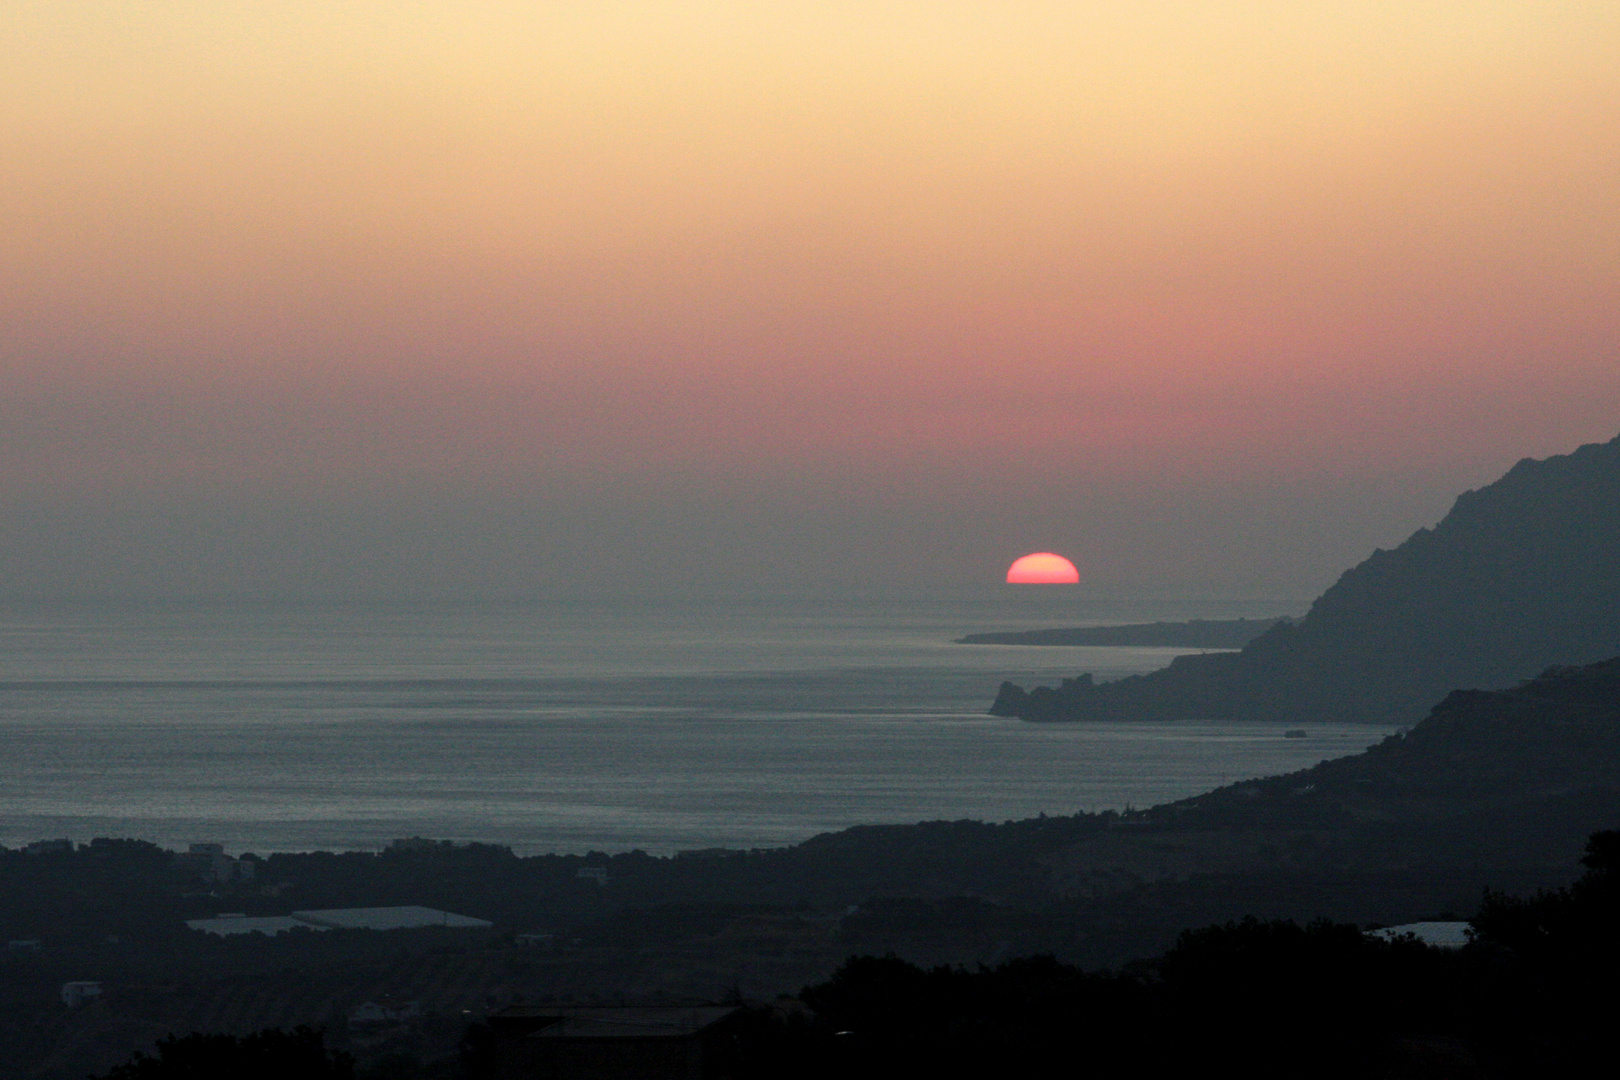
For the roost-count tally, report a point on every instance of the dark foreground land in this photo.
(1496, 789)
(1531, 994)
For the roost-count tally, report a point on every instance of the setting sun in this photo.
(1043, 568)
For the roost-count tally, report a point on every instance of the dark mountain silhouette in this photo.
(1491, 788)
(1521, 575)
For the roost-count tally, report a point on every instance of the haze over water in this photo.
(570, 727)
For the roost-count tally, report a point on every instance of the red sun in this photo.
(1043, 568)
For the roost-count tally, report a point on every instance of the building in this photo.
(408, 917)
(75, 994)
(381, 918)
(212, 864)
(678, 1042)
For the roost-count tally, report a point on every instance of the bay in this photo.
(569, 728)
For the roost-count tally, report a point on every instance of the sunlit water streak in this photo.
(556, 729)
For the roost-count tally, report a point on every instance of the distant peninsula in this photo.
(1193, 634)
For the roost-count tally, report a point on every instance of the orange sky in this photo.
(339, 249)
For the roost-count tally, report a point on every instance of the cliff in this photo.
(1521, 575)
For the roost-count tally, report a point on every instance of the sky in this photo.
(513, 300)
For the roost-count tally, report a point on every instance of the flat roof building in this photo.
(408, 917)
(80, 992)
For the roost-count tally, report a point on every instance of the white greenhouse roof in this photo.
(1442, 935)
(387, 918)
(238, 924)
(408, 917)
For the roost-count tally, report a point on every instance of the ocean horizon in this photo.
(575, 727)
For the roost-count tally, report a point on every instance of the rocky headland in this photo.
(1521, 575)
(1192, 634)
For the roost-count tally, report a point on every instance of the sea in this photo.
(576, 726)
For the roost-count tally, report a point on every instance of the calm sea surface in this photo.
(567, 728)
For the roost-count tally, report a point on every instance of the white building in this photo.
(210, 861)
(75, 994)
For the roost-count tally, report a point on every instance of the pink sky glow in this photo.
(1305, 266)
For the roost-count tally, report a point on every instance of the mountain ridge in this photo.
(1520, 575)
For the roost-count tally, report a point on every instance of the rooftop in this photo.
(406, 917)
(387, 918)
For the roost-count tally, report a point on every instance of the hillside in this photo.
(1521, 575)
(1495, 788)
(1476, 751)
